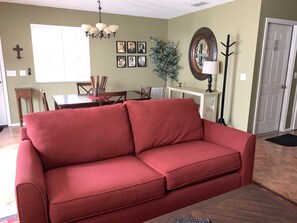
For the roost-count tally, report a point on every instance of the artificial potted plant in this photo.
(165, 57)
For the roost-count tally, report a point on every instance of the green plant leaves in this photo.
(165, 57)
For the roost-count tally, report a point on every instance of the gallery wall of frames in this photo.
(135, 54)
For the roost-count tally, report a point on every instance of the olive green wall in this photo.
(243, 20)
(278, 9)
(15, 20)
(240, 19)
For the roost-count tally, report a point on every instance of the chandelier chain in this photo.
(99, 8)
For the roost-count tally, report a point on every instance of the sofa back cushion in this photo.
(163, 122)
(74, 136)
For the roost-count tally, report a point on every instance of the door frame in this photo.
(289, 76)
(293, 125)
(4, 83)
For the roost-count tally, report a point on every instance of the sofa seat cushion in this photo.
(190, 162)
(163, 122)
(80, 191)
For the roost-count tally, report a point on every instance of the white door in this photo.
(3, 114)
(274, 77)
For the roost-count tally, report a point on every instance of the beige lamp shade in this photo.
(92, 30)
(113, 28)
(210, 67)
(101, 26)
(107, 31)
(86, 27)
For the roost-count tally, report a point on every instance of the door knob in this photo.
(283, 86)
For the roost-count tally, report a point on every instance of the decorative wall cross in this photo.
(18, 49)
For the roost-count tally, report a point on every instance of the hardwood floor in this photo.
(9, 136)
(9, 140)
(275, 166)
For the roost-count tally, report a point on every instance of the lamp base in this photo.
(222, 121)
(209, 84)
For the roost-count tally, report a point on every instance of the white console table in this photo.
(203, 95)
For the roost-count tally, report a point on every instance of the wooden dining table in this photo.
(83, 100)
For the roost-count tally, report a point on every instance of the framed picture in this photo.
(141, 47)
(121, 46)
(131, 47)
(141, 61)
(131, 61)
(121, 61)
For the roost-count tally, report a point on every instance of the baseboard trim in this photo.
(15, 125)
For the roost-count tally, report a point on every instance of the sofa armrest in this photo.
(30, 186)
(234, 139)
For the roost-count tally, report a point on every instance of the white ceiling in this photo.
(165, 9)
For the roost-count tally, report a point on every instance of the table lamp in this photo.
(210, 68)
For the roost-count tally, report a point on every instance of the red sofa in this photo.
(126, 162)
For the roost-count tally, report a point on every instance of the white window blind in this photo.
(61, 53)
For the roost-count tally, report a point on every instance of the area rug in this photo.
(284, 140)
(10, 219)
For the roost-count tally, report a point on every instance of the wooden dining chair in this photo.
(107, 98)
(145, 92)
(44, 100)
(86, 87)
(103, 84)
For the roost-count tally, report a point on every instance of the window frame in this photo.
(61, 54)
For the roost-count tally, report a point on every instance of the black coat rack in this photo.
(227, 54)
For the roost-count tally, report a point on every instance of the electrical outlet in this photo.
(23, 73)
(242, 76)
(11, 73)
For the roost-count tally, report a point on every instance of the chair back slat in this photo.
(86, 87)
(145, 91)
(112, 97)
(103, 84)
(44, 100)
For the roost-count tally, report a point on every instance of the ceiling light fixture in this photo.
(102, 30)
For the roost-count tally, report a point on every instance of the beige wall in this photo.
(278, 9)
(243, 20)
(240, 19)
(15, 22)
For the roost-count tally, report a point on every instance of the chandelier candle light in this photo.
(210, 68)
(102, 30)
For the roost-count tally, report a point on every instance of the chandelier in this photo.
(102, 30)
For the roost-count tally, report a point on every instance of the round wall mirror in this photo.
(203, 47)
